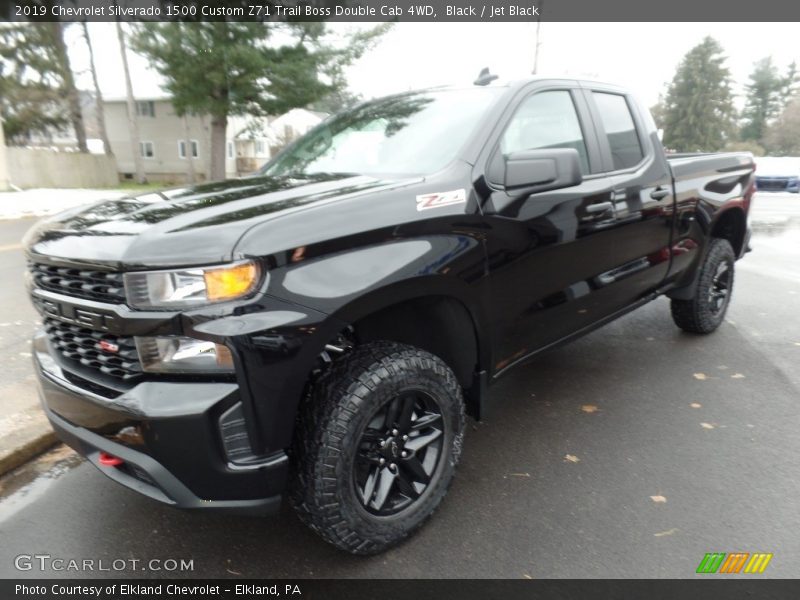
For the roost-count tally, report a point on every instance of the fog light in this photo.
(183, 355)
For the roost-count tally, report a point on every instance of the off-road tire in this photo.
(699, 314)
(330, 423)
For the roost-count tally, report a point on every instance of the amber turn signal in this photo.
(230, 282)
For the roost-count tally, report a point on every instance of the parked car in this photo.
(778, 174)
(324, 326)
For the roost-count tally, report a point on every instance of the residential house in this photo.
(63, 138)
(168, 142)
(256, 140)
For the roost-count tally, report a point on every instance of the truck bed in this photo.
(688, 165)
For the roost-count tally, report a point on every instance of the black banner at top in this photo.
(403, 10)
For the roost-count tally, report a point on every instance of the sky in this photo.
(640, 56)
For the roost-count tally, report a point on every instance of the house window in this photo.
(146, 108)
(182, 148)
(146, 150)
(230, 149)
(260, 148)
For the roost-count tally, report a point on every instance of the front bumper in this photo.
(171, 437)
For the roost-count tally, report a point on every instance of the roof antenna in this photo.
(485, 78)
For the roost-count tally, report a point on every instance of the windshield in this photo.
(414, 133)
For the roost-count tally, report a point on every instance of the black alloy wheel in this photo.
(718, 292)
(705, 310)
(398, 453)
(377, 442)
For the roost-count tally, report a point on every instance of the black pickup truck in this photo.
(322, 327)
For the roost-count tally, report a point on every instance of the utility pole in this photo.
(538, 43)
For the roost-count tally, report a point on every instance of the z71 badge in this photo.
(440, 199)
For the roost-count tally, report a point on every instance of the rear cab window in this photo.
(620, 130)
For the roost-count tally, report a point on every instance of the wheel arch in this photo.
(731, 224)
(433, 313)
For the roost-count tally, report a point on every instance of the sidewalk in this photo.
(40, 202)
(24, 430)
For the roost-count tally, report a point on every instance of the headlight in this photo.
(190, 287)
(183, 355)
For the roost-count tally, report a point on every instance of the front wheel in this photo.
(706, 310)
(377, 446)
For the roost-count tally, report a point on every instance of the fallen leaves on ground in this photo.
(706, 426)
(696, 405)
(229, 568)
(658, 499)
(589, 408)
(701, 376)
(572, 458)
(526, 576)
(667, 532)
(737, 376)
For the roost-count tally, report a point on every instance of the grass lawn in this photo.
(133, 187)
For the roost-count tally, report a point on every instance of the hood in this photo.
(186, 226)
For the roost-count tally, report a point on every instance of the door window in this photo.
(546, 120)
(626, 149)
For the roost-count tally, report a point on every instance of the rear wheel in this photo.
(377, 445)
(706, 310)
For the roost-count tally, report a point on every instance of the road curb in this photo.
(23, 452)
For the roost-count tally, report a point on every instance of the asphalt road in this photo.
(629, 453)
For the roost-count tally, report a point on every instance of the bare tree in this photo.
(3, 175)
(133, 122)
(98, 95)
(73, 98)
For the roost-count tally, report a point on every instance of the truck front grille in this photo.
(91, 284)
(109, 354)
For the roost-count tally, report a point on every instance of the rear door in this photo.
(641, 194)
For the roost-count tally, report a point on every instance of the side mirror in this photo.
(533, 171)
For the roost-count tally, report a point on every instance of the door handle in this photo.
(600, 207)
(659, 193)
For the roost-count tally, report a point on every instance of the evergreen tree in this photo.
(31, 101)
(765, 98)
(699, 115)
(37, 87)
(227, 68)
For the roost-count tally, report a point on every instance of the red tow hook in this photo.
(109, 460)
